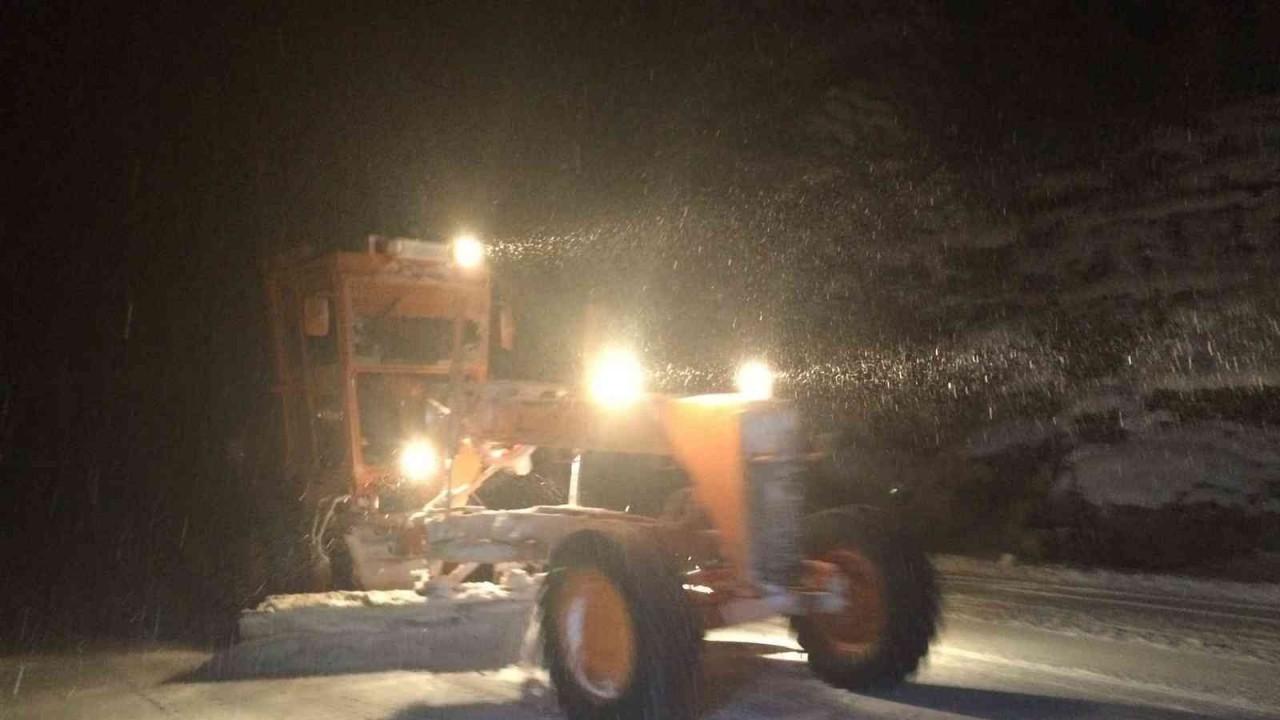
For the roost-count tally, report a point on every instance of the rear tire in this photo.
(619, 638)
(880, 638)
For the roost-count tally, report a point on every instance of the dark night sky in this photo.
(155, 153)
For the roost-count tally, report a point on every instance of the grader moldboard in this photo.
(391, 419)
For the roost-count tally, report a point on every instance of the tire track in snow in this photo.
(1233, 630)
(1177, 697)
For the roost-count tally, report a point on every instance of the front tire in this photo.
(619, 638)
(891, 617)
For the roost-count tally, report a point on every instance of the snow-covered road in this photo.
(1015, 645)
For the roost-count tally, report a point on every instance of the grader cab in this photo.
(393, 422)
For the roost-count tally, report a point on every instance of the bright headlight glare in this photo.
(617, 379)
(419, 461)
(468, 252)
(754, 380)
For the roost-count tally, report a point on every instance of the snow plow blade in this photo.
(477, 626)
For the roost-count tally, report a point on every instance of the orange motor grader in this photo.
(393, 424)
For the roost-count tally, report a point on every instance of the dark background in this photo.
(738, 174)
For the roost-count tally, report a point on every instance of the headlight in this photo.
(754, 380)
(616, 379)
(419, 461)
(468, 252)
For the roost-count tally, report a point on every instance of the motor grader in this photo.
(393, 424)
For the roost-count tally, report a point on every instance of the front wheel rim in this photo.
(596, 635)
(859, 627)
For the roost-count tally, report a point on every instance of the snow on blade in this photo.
(479, 626)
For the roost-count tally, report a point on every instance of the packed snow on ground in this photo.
(1124, 623)
(1227, 619)
(1170, 586)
